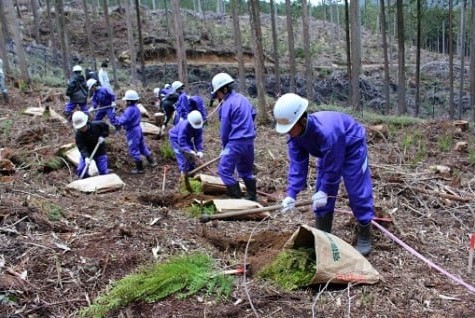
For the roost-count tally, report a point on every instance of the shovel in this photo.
(229, 215)
(86, 167)
(192, 172)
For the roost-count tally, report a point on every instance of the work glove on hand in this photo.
(90, 109)
(113, 104)
(100, 139)
(87, 161)
(288, 204)
(199, 154)
(319, 199)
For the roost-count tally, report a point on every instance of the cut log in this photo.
(73, 155)
(149, 129)
(228, 205)
(98, 184)
(159, 119)
(40, 111)
(461, 146)
(214, 185)
(143, 110)
(463, 125)
(378, 131)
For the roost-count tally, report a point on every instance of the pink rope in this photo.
(428, 262)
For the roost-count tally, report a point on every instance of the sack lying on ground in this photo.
(336, 260)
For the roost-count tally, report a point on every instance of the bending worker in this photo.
(339, 143)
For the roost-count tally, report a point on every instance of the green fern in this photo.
(182, 275)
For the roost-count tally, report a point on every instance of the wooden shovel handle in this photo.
(227, 215)
(204, 165)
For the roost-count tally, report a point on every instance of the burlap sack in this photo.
(336, 260)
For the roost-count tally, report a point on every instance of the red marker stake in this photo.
(470, 252)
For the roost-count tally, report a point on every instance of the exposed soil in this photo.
(53, 267)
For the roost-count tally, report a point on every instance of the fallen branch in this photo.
(444, 195)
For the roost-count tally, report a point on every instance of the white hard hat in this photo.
(177, 85)
(287, 111)
(90, 83)
(131, 95)
(156, 91)
(77, 68)
(79, 119)
(195, 119)
(220, 80)
(167, 85)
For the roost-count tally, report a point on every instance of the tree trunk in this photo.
(308, 53)
(258, 58)
(90, 39)
(131, 42)
(348, 48)
(385, 57)
(53, 44)
(462, 54)
(141, 48)
(111, 43)
(180, 43)
(290, 39)
(401, 92)
(62, 34)
(3, 37)
(275, 45)
(36, 29)
(472, 63)
(238, 43)
(355, 55)
(451, 63)
(18, 38)
(418, 56)
(166, 18)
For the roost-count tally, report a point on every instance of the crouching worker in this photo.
(186, 139)
(103, 101)
(130, 120)
(338, 142)
(88, 136)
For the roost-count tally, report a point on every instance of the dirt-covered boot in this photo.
(151, 161)
(251, 189)
(138, 167)
(363, 242)
(324, 222)
(234, 191)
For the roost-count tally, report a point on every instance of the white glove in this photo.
(199, 154)
(113, 104)
(288, 204)
(100, 139)
(192, 152)
(90, 109)
(87, 161)
(319, 199)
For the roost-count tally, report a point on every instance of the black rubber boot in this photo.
(251, 189)
(5, 98)
(138, 167)
(234, 191)
(152, 162)
(363, 242)
(325, 222)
